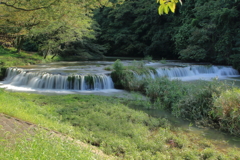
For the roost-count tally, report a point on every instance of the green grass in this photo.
(227, 110)
(43, 146)
(108, 123)
(210, 103)
(9, 58)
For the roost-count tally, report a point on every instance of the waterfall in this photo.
(191, 72)
(196, 71)
(42, 80)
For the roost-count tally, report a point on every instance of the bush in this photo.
(226, 110)
(118, 66)
(130, 81)
(197, 104)
(148, 58)
(132, 78)
(164, 91)
(117, 74)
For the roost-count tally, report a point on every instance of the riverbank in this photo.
(109, 124)
(106, 122)
(9, 58)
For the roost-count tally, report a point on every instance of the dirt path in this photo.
(11, 128)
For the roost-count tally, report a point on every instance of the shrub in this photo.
(148, 58)
(130, 81)
(163, 61)
(117, 74)
(226, 110)
(131, 77)
(118, 66)
(164, 91)
(197, 104)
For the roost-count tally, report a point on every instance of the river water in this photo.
(90, 77)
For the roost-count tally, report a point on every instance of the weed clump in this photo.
(205, 103)
(164, 92)
(226, 111)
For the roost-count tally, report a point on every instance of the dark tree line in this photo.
(200, 30)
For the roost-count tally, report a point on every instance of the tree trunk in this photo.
(19, 43)
(55, 54)
(45, 53)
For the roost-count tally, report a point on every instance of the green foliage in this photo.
(198, 31)
(235, 61)
(199, 42)
(42, 146)
(164, 92)
(192, 101)
(2, 72)
(117, 74)
(9, 58)
(52, 27)
(198, 102)
(193, 53)
(131, 82)
(132, 77)
(148, 58)
(104, 122)
(118, 66)
(132, 29)
(163, 61)
(226, 111)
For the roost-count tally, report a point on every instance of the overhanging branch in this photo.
(24, 9)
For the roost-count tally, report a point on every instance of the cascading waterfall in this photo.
(92, 78)
(42, 80)
(196, 71)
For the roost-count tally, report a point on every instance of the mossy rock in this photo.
(2, 73)
(116, 77)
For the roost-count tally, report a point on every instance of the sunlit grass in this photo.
(44, 146)
(107, 123)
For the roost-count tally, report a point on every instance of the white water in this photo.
(21, 78)
(90, 77)
(193, 72)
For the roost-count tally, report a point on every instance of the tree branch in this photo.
(24, 9)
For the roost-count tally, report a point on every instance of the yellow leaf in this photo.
(174, 1)
(160, 9)
(162, 1)
(166, 9)
(172, 6)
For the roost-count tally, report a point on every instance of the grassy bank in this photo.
(42, 146)
(108, 123)
(213, 104)
(9, 58)
(111, 125)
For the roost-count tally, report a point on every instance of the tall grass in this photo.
(105, 122)
(206, 103)
(226, 111)
(42, 146)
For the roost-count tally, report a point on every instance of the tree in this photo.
(60, 24)
(25, 5)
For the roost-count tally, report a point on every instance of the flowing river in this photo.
(91, 77)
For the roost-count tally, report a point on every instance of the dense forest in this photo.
(199, 30)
